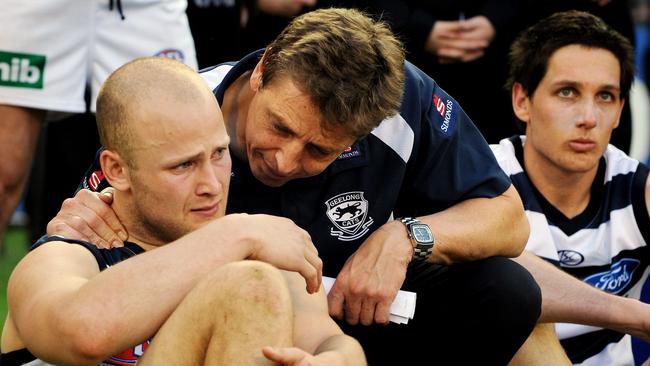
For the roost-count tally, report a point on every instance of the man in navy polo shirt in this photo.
(332, 128)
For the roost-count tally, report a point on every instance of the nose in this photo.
(588, 114)
(208, 181)
(287, 159)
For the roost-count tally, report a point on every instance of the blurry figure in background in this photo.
(42, 78)
(217, 28)
(463, 45)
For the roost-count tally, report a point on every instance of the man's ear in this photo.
(520, 102)
(256, 76)
(115, 170)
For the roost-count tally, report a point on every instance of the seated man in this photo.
(333, 129)
(167, 157)
(587, 202)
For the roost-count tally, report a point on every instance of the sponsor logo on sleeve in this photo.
(349, 213)
(617, 278)
(445, 107)
(22, 70)
(128, 357)
(173, 53)
(95, 179)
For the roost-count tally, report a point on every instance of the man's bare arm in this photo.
(66, 312)
(473, 229)
(316, 336)
(566, 299)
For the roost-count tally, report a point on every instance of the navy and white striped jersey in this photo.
(606, 246)
(422, 160)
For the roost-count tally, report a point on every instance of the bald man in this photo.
(192, 301)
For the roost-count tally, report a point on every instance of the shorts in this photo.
(50, 50)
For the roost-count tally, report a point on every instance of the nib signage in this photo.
(21, 70)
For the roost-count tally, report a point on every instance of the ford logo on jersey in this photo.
(617, 278)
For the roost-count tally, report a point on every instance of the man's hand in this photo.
(372, 276)
(461, 40)
(88, 216)
(279, 241)
(293, 356)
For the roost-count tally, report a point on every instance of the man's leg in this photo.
(19, 129)
(478, 312)
(227, 319)
(541, 348)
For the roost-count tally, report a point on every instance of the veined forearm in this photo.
(480, 228)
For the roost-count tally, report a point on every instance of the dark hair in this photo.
(351, 65)
(532, 49)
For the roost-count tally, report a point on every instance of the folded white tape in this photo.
(401, 310)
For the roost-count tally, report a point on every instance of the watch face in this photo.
(422, 233)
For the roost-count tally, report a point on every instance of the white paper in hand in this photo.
(401, 310)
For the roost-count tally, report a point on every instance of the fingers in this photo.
(335, 302)
(87, 217)
(382, 312)
(313, 272)
(284, 355)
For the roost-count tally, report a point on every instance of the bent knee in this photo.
(248, 280)
(514, 288)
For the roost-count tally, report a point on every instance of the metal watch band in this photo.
(420, 252)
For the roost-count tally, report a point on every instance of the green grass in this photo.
(13, 249)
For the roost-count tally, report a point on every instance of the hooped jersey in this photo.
(105, 258)
(422, 160)
(605, 246)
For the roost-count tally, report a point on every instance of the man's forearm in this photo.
(567, 299)
(479, 228)
(344, 348)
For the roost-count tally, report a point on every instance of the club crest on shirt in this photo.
(617, 278)
(349, 213)
(570, 257)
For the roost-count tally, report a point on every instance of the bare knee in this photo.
(251, 282)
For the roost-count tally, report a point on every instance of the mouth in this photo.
(582, 145)
(207, 211)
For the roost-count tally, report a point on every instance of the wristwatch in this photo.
(421, 236)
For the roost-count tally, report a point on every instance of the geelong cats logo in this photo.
(349, 214)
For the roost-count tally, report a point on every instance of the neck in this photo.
(569, 192)
(236, 101)
(125, 213)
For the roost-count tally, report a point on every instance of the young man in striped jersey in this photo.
(586, 201)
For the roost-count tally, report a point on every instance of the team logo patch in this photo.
(173, 53)
(349, 214)
(350, 152)
(570, 258)
(95, 179)
(128, 357)
(445, 107)
(617, 278)
(22, 70)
